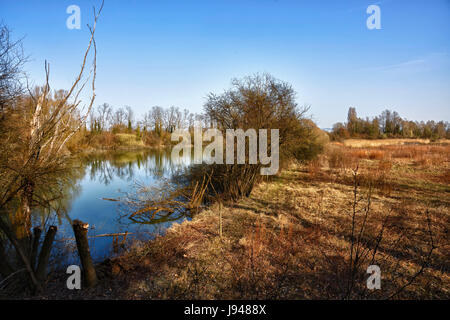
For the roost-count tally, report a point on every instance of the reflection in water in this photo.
(109, 175)
(157, 163)
(55, 212)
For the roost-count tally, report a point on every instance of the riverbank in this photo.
(107, 141)
(290, 239)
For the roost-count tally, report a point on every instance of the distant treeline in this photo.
(388, 125)
(107, 127)
(158, 119)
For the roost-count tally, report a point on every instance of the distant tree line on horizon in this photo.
(158, 119)
(154, 128)
(388, 124)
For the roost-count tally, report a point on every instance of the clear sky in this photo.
(166, 52)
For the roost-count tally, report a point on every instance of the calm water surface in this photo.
(111, 175)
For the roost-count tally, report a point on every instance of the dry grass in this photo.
(363, 143)
(291, 238)
(129, 140)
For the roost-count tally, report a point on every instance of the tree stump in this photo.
(80, 230)
(34, 247)
(44, 255)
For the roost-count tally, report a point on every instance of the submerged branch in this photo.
(167, 202)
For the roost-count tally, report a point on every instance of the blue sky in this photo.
(169, 52)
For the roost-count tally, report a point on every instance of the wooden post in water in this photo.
(115, 243)
(44, 255)
(80, 230)
(35, 245)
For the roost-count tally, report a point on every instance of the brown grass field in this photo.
(365, 143)
(292, 238)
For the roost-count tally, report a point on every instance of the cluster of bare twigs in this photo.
(368, 247)
(12, 59)
(166, 202)
(32, 157)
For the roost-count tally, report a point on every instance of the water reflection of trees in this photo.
(124, 165)
(104, 168)
(57, 202)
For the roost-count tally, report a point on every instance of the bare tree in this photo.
(104, 112)
(157, 114)
(34, 155)
(118, 118)
(129, 116)
(147, 121)
(12, 60)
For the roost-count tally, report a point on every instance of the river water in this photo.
(111, 175)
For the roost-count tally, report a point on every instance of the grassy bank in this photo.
(364, 143)
(291, 238)
(108, 141)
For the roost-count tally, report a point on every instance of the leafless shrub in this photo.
(367, 246)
